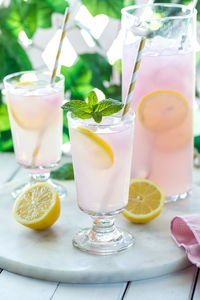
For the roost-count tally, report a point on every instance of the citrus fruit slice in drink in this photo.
(28, 111)
(146, 200)
(38, 207)
(163, 110)
(94, 149)
(176, 138)
(26, 83)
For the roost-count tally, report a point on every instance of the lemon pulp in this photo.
(146, 200)
(38, 207)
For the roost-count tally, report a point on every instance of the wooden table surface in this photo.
(182, 285)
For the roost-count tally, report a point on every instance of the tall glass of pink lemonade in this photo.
(101, 156)
(163, 95)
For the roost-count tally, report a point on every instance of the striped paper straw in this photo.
(66, 17)
(134, 77)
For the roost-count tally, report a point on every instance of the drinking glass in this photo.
(101, 156)
(35, 113)
(163, 94)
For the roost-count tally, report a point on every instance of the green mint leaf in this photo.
(81, 114)
(65, 172)
(92, 99)
(93, 109)
(77, 105)
(109, 106)
(97, 116)
(79, 108)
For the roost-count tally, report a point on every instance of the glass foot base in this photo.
(61, 190)
(88, 241)
(178, 197)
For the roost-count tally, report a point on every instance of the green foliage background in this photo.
(91, 70)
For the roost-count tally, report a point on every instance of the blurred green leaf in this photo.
(129, 2)
(58, 6)
(114, 91)
(4, 118)
(118, 65)
(5, 132)
(65, 128)
(197, 142)
(100, 69)
(65, 172)
(198, 10)
(27, 16)
(6, 142)
(77, 80)
(13, 57)
(90, 71)
(21, 15)
(45, 8)
(108, 7)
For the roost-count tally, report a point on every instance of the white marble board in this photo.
(49, 254)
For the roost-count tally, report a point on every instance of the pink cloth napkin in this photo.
(186, 233)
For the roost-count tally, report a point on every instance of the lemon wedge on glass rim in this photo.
(38, 207)
(93, 148)
(146, 200)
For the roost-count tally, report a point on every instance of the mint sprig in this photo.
(93, 108)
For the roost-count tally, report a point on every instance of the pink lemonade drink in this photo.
(101, 156)
(36, 119)
(163, 101)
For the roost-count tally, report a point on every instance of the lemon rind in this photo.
(35, 221)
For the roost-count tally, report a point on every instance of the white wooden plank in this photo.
(90, 291)
(8, 166)
(176, 286)
(17, 287)
(197, 289)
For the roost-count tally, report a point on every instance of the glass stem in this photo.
(43, 177)
(103, 224)
(104, 229)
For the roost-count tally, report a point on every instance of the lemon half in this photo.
(146, 200)
(38, 207)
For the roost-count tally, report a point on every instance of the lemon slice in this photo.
(17, 110)
(26, 115)
(146, 200)
(173, 139)
(38, 207)
(163, 110)
(93, 149)
(25, 83)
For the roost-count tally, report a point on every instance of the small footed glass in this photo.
(101, 156)
(35, 113)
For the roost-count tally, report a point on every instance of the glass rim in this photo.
(129, 118)
(193, 11)
(13, 75)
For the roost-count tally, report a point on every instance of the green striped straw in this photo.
(66, 17)
(134, 77)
